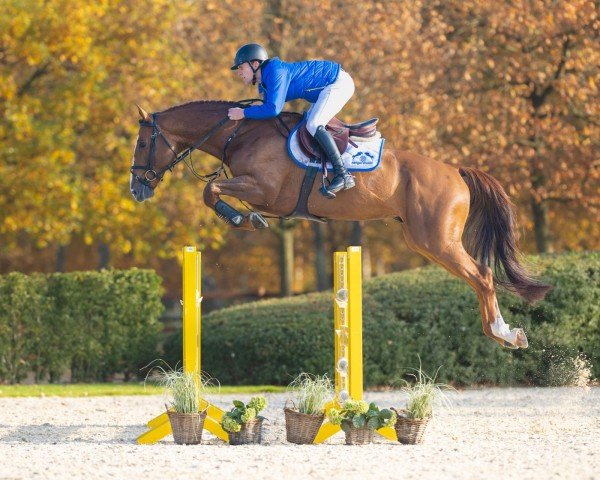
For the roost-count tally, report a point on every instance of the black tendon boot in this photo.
(342, 179)
(228, 213)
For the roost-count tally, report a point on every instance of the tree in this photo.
(518, 84)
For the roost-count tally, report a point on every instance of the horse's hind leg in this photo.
(238, 185)
(443, 246)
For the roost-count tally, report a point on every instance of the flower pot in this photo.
(359, 436)
(301, 428)
(409, 430)
(251, 432)
(187, 427)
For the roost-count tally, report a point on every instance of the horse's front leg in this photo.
(244, 188)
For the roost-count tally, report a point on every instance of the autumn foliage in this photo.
(510, 87)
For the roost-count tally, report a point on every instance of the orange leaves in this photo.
(471, 82)
(521, 83)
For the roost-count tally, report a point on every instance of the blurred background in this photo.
(510, 87)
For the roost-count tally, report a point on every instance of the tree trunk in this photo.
(286, 257)
(541, 225)
(323, 281)
(61, 258)
(104, 256)
(356, 234)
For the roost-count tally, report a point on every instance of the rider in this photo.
(323, 83)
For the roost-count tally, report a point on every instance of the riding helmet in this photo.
(249, 53)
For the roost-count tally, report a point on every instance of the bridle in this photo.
(150, 174)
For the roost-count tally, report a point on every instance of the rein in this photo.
(150, 174)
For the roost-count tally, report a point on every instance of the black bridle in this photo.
(150, 174)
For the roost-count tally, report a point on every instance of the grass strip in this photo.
(114, 389)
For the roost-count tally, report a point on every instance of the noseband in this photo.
(149, 172)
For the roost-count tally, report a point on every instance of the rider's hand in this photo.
(236, 113)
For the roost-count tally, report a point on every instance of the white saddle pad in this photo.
(365, 157)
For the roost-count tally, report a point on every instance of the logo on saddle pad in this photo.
(361, 155)
(362, 158)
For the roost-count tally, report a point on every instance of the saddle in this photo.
(341, 132)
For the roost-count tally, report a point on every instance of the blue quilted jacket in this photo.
(282, 82)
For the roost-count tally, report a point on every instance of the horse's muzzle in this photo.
(140, 191)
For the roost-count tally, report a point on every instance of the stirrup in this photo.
(348, 183)
(325, 191)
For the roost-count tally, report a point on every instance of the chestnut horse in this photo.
(438, 205)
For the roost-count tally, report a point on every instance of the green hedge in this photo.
(94, 324)
(424, 312)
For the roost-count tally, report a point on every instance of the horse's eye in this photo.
(142, 143)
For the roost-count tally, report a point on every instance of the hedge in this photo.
(424, 312)
(93, 324)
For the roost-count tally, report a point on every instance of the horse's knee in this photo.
(211, 194)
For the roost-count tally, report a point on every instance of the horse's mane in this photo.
(216, 102)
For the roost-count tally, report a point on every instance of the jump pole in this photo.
(160, 427)
(348, 354)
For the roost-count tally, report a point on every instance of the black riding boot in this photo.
(342, 179)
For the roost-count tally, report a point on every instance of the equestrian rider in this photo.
(323, 83)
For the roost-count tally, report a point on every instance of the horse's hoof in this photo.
(257, 220)
(521, 338)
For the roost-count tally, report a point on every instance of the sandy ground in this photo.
(491, 433)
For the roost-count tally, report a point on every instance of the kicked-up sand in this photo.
(521, 433)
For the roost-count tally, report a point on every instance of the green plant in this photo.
(233, 420)
(358, 414)
(91, 325)
(183, 388)
(430, 312)
(422, 393)
(312, 392)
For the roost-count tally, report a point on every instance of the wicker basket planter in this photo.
(359, 436)
(301, 428)
(187, 427)
(251, 432)
(410, 431)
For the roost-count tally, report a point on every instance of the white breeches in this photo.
(331, 100)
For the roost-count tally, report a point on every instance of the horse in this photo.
(458, 217)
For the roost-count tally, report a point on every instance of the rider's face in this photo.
(245, 73)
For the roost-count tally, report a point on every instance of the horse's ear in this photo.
(143, 114)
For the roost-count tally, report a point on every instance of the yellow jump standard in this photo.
(160, 426)
(347, 312)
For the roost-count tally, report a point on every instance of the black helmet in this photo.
(249, 53)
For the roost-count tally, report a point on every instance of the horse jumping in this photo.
(439, 206)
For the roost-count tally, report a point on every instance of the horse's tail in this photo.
(490, 235)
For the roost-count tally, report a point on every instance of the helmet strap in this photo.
(254, 70)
